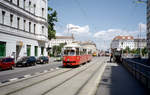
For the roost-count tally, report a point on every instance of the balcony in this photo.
(41, 37)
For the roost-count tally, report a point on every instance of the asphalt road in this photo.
(20, 72)
(82, 80)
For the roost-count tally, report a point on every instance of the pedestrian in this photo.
(111, 57)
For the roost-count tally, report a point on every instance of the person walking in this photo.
(111, 56)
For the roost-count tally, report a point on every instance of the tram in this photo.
(75, 54)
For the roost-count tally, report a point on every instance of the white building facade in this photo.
(61, 39)
(23, 28)
(122, 42)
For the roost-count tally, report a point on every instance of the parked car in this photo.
(7, 63)
(42, 60)
(26, 61)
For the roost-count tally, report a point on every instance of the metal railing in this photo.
(139, 71)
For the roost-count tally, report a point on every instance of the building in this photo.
(140, 43)
(61, 39)
(148, 26)
(122, 42)
(23, 28)
(90, 45)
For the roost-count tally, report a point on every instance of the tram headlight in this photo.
(78, 58)
(67, 59)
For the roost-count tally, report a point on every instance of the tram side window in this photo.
(77, 51)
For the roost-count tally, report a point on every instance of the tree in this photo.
(52, 18)
(127, 49)
(58, 49)
(144, 51)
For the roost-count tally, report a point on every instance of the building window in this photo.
(28, 50)
(17, 2)
(11, 19)
(2, 49)
(36, 50)
(3, 17)
(42, 29)
(42, 12)
(34, 8)
(24, 25)
(18, 22)
(29, 6)
(29, 26)
(34, 28)
(24, 4)
(42, 50)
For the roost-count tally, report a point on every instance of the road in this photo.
(82, 80)
(21, 72)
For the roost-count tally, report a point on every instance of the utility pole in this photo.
(140, 40)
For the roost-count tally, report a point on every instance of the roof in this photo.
(123, 38)
(139, 40)
(72, 45)
(64, 37)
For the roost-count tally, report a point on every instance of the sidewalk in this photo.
(118, 81)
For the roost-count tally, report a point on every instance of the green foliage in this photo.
(57, 49)
(144, 51)
(52, 18)
(127, 50)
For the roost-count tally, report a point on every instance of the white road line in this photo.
(14, 79)
(57, 68)
(26, 76)
(45, 71)
(52, 69)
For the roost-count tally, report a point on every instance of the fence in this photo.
(139, 71)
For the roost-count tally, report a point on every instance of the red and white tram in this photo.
(74, 55)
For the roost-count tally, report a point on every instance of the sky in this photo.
(99, 20)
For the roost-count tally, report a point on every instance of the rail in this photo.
(140, 71)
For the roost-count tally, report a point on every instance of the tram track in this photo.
(38, 82)
(73, 76)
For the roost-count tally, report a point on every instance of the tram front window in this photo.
(69, 52)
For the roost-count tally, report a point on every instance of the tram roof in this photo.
(72, 45)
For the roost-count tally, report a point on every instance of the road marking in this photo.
(57, 68)
(26, 76)
(45, 71)
(14, 79)
(52, 69)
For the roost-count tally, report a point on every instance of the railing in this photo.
(139, 71)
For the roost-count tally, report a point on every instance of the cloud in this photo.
(80, 32)
(111, 33)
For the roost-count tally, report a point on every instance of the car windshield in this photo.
(23, 59)
(7, 59)
(41, 57)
